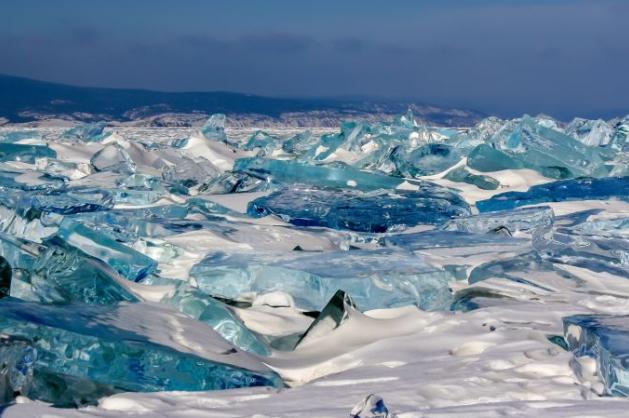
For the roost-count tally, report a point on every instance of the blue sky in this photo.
(560, 57)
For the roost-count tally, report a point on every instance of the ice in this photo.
(376, 211)
(24, 153)
(372, 406)
(372, 278)
(90, 132)
(462, 175)
(426, 160)
(330, 318)
(113, 158)
(593, 133)
(547, 150)
(566, 190)
(100, 350)
(214, 128)
(334, 176)
(531, 221)
(198, 305)
(486, 158)
(606, 339)
(55, 272)
(124, 260)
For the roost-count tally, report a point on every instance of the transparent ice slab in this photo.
(122, 348)
(566, 190)
(376, 211)
(606, 339)
(373, 278)
(335, 176)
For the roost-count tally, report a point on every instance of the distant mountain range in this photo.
(25, 100)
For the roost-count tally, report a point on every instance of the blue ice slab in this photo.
(448, 239)
(606, 339)
(124, 260)
(425, 160)
(336, 176)
(214, 128)
(485, 158)
(461, 175)
(24, 152)
(14, 179)
(17, 136)
(534, 221)
(600, 253)
(300, 143)
(113, 158)
(204, 308)
(235, 182)
(376, 211)
(559, 191)
(262, 141)
(121, 348)
(55, 272)
(374, 279)
(523, 269)
(543, 148)
(89, 132)
(63, 201)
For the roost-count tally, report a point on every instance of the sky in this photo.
(560, 57)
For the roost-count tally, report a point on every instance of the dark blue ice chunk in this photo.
(577, 189)
(128, 347)
(606, 339)
(376, 211)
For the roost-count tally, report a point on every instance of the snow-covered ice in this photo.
(165, 212)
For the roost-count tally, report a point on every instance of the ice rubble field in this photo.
(472, 272)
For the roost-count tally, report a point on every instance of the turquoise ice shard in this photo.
(533, 221)
(124, 260)
(198, 305)
(425, 160)
(262, 141)
(376, 211)
(485, 158)
(129, 347)
(606, 339)
(373, 278)
(113, 158)
(65, 201)
(547, 150)
(89, 132)
(54, 272)
(524, 269)
(450, 239)
(235, 182)
(300, 143)
(19, 136)
(559, 191)
(593, 133)
(335, 175)
(214, 128)
(24, 152)
(461, 175)
(330, 318)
